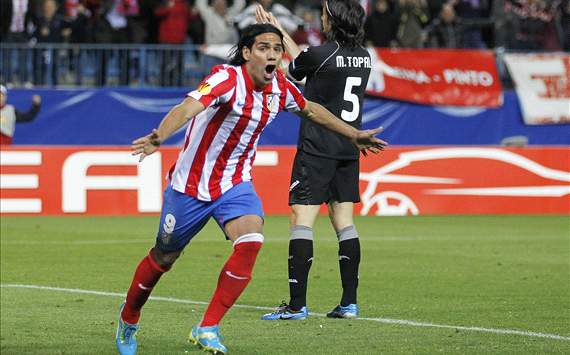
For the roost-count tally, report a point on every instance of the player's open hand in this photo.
(367, 142)
(263, 16)
(146, 145)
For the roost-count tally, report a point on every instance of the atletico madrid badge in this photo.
(271, 101)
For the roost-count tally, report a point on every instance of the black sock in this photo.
(300, 261)
(349, 260)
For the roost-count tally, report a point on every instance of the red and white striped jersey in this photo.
(221, 141)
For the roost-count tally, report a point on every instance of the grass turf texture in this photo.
(486, 271)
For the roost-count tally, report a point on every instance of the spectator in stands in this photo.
(174, 17)
(98, 29)
(77, 16)
(564, 24)
(473, 12)
(413, 16)
(531, 24)
(288, 21)
(434, 7)
(308, 34)
(120, 16)
(51, 27)
(147, 8)
(446, 31)
(16, 22)
(217, 18)
(9, 115)
(382, 25)
(116, 16)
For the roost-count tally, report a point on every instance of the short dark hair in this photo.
(346, 19)
(247, 39)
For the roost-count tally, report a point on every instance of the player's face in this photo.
(264, 58)
(2, 100)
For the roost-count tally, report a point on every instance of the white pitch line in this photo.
(379, 320)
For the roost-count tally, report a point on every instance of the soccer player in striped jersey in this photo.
(326, 167)
(212, 176)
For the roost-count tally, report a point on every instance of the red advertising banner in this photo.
(400, 181)
(436, 76)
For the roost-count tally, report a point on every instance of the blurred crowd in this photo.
(513, 24)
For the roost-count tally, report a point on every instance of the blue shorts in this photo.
(183, 216)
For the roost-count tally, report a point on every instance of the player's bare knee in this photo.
(165, 259)
(304, 215)
(243, 225)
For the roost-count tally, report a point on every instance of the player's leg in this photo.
(182, 217)
(344, 189)
(309, 189)
(300, 253)
(240, 213)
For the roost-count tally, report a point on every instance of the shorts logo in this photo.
(165, 238)
(204, 89)
(169, 223)
(294, 185)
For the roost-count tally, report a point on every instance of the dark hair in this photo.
(346, 19)
(247, 39)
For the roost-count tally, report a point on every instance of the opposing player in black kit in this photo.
(326, 167)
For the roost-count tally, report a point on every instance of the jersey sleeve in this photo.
(306, 63)
(294, 100)
(217, 88)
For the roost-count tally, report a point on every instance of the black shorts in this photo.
(316, 180)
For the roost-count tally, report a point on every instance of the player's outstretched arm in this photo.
(263, 16)
(174, 119)
(365, 141)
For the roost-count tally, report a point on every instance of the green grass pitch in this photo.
(492, 273)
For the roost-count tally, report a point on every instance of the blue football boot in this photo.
(208, 338)
(285, 312)
(350, 311)
(126, 336)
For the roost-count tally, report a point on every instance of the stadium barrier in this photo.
(114, 116)
(95, 65)
(400, 181)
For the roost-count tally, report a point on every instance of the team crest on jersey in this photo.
(271, 100)
(204, 88)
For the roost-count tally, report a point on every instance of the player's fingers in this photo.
(379, 146)
(258, 15)
(138, 151)
(375, 131)
(273, 20)
(379, 142)
(143, 155)
(136, 146)
(261, 14)
(141, 140)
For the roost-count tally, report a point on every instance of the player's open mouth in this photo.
(270, 71)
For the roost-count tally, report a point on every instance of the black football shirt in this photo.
(336, 78)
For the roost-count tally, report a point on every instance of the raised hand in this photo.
(263, 16)
(146, 145)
